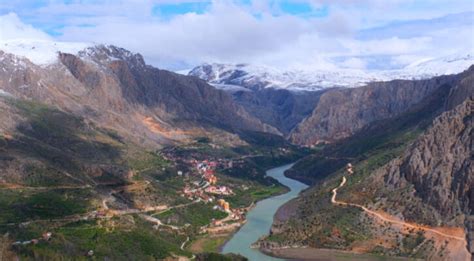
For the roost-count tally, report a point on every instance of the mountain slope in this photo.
(439, 165)
(282, 109)
(117, 90)
(342, 112)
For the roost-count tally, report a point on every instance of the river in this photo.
(260, 218)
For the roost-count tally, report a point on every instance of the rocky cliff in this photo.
(280, 108)
(342, 112)
(439, 164)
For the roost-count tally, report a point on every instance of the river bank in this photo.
(260, 218)
(318, 254)
(215, 242)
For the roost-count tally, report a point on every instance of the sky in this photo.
(288, 34)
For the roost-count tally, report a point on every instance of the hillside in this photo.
(341, 113)
(415, 168)
(115, 89)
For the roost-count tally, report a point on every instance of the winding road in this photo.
(387, 219)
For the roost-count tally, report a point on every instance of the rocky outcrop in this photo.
(342, 112)
(280, 108)
(439, 164)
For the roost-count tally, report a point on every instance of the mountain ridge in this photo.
(114, 87)
(257, 77)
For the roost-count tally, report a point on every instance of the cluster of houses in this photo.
(235, 219)
(206, 188)
(219, 190)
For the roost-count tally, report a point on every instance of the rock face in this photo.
(116, 89)
(342, 112)
(268, 100)
(439, 164)
(280, 108)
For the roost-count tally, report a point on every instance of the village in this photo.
(207, 189)
(202, 185)
(198, 175)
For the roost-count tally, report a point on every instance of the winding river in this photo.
(260, 218)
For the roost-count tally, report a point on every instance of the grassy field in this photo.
(20, 206)
(199, 214)
(208, 244)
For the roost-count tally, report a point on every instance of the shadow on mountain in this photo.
(63, 142)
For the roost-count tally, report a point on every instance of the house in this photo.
(349, 168)
(47, 236)
(224, 205)
(220, 190)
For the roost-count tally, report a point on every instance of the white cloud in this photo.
(349, 36)
(11, 27)
(354, 63)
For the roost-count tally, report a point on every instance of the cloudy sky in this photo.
(302, 34)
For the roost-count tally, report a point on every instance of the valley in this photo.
(106, 157)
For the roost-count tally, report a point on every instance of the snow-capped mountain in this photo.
(234, 77)
(434, 67)
(44, 53)
(258, 77)
(41, 52)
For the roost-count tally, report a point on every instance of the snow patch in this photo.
(40, 52)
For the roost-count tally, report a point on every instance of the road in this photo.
(387, 219)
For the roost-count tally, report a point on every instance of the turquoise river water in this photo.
(260, 218)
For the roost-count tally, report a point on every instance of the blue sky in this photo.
(174, 34)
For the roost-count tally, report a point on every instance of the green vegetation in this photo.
(212, 244)
(198, 214)
(143, 161)
(411, 242)
(219, 257)
(138, 242)
(20, 206)
(243, 198)
(44, 176)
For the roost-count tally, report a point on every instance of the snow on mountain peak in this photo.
(257, 77)
(45, 52)
(451, 64)
(107, 53)
(40, 52)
